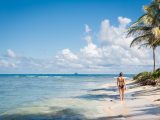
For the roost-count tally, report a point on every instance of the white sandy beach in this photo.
(102, 103)
(141, 103)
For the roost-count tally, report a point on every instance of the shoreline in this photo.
(141, 102)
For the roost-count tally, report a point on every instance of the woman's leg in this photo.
(122, 93)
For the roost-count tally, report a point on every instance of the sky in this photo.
(68, 36)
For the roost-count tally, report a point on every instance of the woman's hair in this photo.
(120, 74)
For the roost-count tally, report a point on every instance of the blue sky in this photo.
(41, 29)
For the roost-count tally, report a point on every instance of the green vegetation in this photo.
(148, 78)
(146, 30)
(146, 33)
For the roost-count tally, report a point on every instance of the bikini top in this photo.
(121, 81)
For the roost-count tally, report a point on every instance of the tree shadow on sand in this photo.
(64, 114)
(74, 114)
(105, 89)
(147, 92)
(109, 89)
(103, 96)
(148, 110)
(98, 96)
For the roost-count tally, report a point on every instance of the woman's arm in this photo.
(125, 83)
(117, 82)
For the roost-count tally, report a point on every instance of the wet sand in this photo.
(102, 103)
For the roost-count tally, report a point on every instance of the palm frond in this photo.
(145, 29)
(138, 30)
(139, 20)
(145, 19)
(144, 45)
(140, 39)
(156, 42)
(154, 4)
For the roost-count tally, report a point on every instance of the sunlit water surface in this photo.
(18, 91)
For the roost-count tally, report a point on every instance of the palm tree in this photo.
(152, 14)
(146, 29)
(145, 38)
(151, 18)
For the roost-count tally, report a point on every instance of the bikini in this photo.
(121, 84)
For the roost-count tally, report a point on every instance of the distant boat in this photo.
(75, 73)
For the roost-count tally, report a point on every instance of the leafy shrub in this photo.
(145, 78)
(156, 74)
(148, 78)
(158, 70)
(139, 75)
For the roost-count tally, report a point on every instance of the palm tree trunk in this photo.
(154, 60)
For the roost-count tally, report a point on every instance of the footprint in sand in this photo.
(125, 111)
(108, 111)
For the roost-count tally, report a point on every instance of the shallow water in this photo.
(38, 91)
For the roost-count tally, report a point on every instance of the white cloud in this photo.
(87, 28)
(116, 45)
(123, 21)
(114, 52)
(88, 39)
(11, 53)
(106, 31)
(113, 35)
(112, 55)
(91, 49)
(8, 59)
(4, 63)
(66, 54)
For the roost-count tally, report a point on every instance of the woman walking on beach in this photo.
(121, 85)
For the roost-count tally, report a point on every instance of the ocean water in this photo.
(21, 90)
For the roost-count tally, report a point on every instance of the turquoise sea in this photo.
(19, 91)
